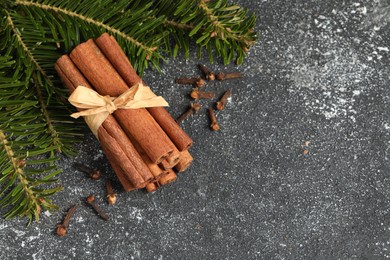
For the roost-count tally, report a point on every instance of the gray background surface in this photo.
(319, 73)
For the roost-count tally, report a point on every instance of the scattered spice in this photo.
(198, 82)
(192, 110)
(209, 75)
(306, 144)
(223, 76)
(94, 174)
(197, 94)
(111, 195)
(62, 228)
(91, 201)
(220, 105)
(213, 124)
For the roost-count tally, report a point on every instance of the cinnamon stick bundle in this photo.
(137, 123)
(114, 53)
(124, 158)
(142, 145)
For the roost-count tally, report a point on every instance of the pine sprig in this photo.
(34, 122)
(218, 26)
(39, 56)
(93, 18)
(21, 142)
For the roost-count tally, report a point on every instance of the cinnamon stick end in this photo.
(151, 187)
(168, 178)
(185, 162)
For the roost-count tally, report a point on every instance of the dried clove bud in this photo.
(223, 76)
(193, 109)
(213, 124)
(196, 107)
(62, 228)
(91, 201)
(220, 105)
(209, 75)
(111, 195)
(197, 82)
(196, 94)
(94, 174)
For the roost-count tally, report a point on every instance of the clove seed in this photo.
(192, 110)
(196, 94)
(62, 228)
(94, 174)
(223, 76)
(91, 201)
(209, 75)
(213, 124)
(198, 82)
(220, 105)
(111, 195)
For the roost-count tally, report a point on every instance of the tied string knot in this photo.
(110, 105)
(95, 108)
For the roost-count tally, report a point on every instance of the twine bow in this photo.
(98, 107)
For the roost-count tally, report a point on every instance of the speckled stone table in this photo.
(299, 170)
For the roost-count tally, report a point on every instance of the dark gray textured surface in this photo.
(319, 73)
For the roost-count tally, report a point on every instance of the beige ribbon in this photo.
(98, 108)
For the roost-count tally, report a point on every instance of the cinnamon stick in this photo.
(120, 173)
(151, 187)
(112, 138)
(165, 165)
(114, 53)
(173, 159)
(169, 177)
(135, 122)
(185, 161)
(153, 167)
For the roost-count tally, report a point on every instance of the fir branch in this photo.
(42, 102)
(24, 134)
(56, 141)
(214, 25)
(22, 198)
(89, 20)
(18, 172)
(25, 48)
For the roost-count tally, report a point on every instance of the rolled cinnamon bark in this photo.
(114, 53)
(167, 178)
(135, 122)
(125, 160)
(151, 187)
(173, 159)
(185, 161)
(120, 173)
(153, 167)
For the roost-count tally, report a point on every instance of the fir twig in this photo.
(90, 20)
(25, 48)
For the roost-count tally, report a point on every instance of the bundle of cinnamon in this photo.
(143, 145)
